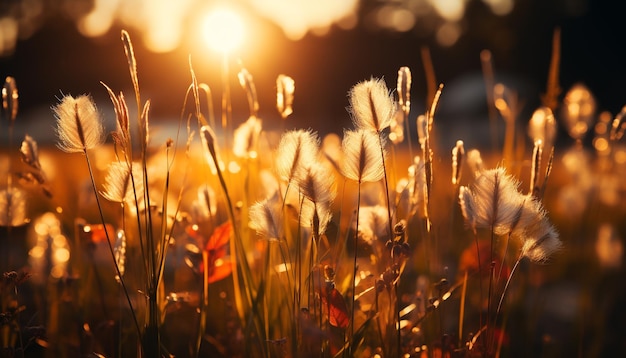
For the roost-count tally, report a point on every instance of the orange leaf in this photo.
(220, 269)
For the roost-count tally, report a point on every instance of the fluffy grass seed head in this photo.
(265, 218)
(119, 187)
(246, 137)
(294, 150)
(362, 158)
(493, 202)
(317, 183)
(371, 105)
(541, 241)
(315, 216)
(373, 223)
(79, 127)
(12, 207)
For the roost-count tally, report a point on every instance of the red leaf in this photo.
(338, 312)
(220, 237)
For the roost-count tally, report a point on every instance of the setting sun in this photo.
(223, 30)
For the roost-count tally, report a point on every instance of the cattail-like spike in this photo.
(417, 186)
(30, 153)
(618, 125)
(475, 162)
(78, 124)
(209, 142)
(119, 251)
(145, 124)
(246, 137)
(422, 129)
(294, 150)
(205, 207)
(10, 99)
(371, 105)
(404, 89)
(535, 167)
(542, 125)
(247, 83)
(12, 207)
(285, 88)
(362, 162)
(458, 156)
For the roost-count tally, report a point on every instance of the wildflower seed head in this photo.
(363, 161)
(79, 127)
(371, 105)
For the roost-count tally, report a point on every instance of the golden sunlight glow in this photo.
(451, 10)
(234, 167)
(298, 17)
(223, 30)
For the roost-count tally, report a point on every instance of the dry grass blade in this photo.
(132, 63)
(247, 83)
